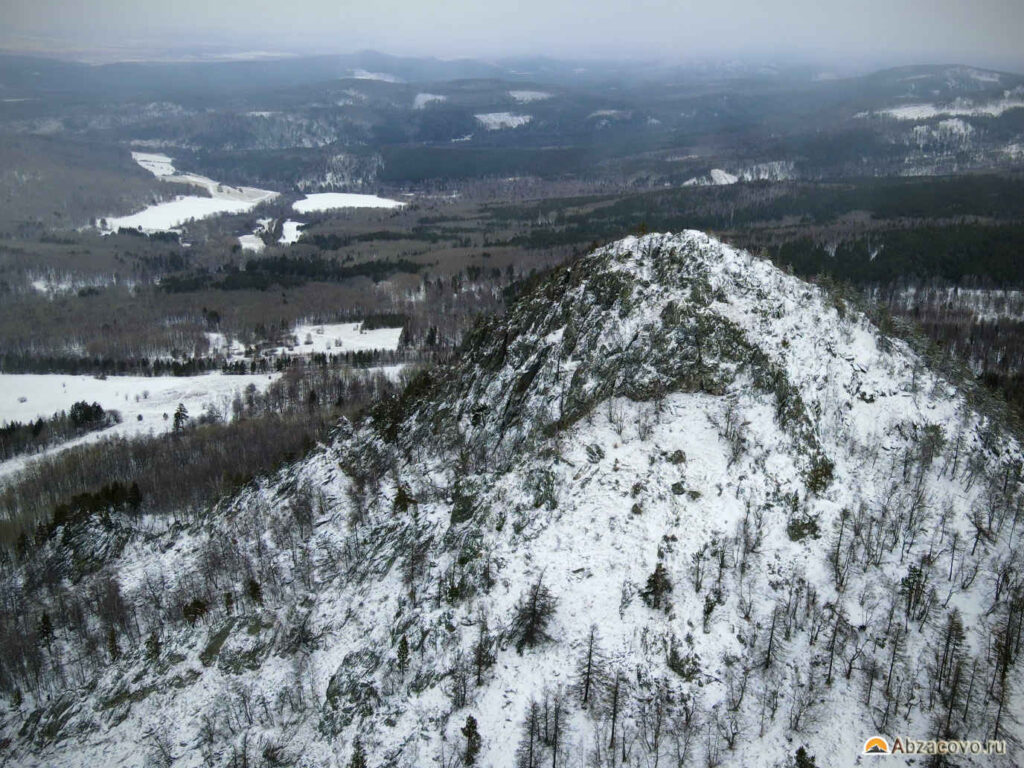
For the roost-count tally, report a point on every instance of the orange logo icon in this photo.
(876, 745)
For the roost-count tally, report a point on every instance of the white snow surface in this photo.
(613, 513)
(26, 397)
(715, 177)
(290, 232)
(382, 77)
(526, 97)
(343, 337)
(251, 243)
(421, 100)
(775, 170)
(959, 108)
(157, 164)
(496, 121)
(172, 214)
(325, 201)
(254, 240)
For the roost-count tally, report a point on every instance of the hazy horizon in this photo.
(873, 33)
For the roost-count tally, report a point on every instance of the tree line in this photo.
(31, 437)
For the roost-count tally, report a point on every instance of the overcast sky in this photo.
(985, 32)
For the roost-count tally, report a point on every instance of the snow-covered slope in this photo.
(775, 517)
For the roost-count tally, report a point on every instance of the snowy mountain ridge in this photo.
(787, 531)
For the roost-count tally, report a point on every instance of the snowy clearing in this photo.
(423, 99)
(146, 403)
(381, 77)
(716, 177)
(326, 201)
(344, 337)
(959, 108)
(525, 97)
(495, 121)
(251, 243)
(608, 113)
(290, 232)
(254, 241)
(172, 214)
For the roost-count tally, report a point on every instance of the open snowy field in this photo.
(959, 108)
(290, 232)
(716, 177)
(496, 121)
(525, 97)
(146, 403)
(345, 337)
(174, 213)
(423, 99)
(326, 201)
(251, 243)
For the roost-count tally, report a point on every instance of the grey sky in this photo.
(927, 31)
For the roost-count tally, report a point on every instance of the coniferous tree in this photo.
(556, 730)
(358, 759)
(530, 745)
(403, 654)
(45, 629)
(153, 646)
(254, 590)
(532, 615)
(469, 730)
(590, 670)
(658, 588)
(180, 417)
(483, 655)
(112, 649)
(803, 760)
(615, 696)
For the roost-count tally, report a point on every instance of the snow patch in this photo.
(715, 177)
(170, 215)
(146, 403)
(423, 99)
(290, 232)
(959, 108)
(251, 243)
(342, 337)
(381, 77)
(526, 97)
(326, 201)
(495, 121)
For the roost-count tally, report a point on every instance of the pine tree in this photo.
(532, 615)
(358, 759)
(529, 752)
(590, 669)
(180, 417)
(616, 694)
(557, 731)
(403, 654)
(255, 591)
(112, 649)
(803, 760)
(655, 594)
(153, 646)
(45, 629)
(403, 500)
(469, 730)
(483, 657)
